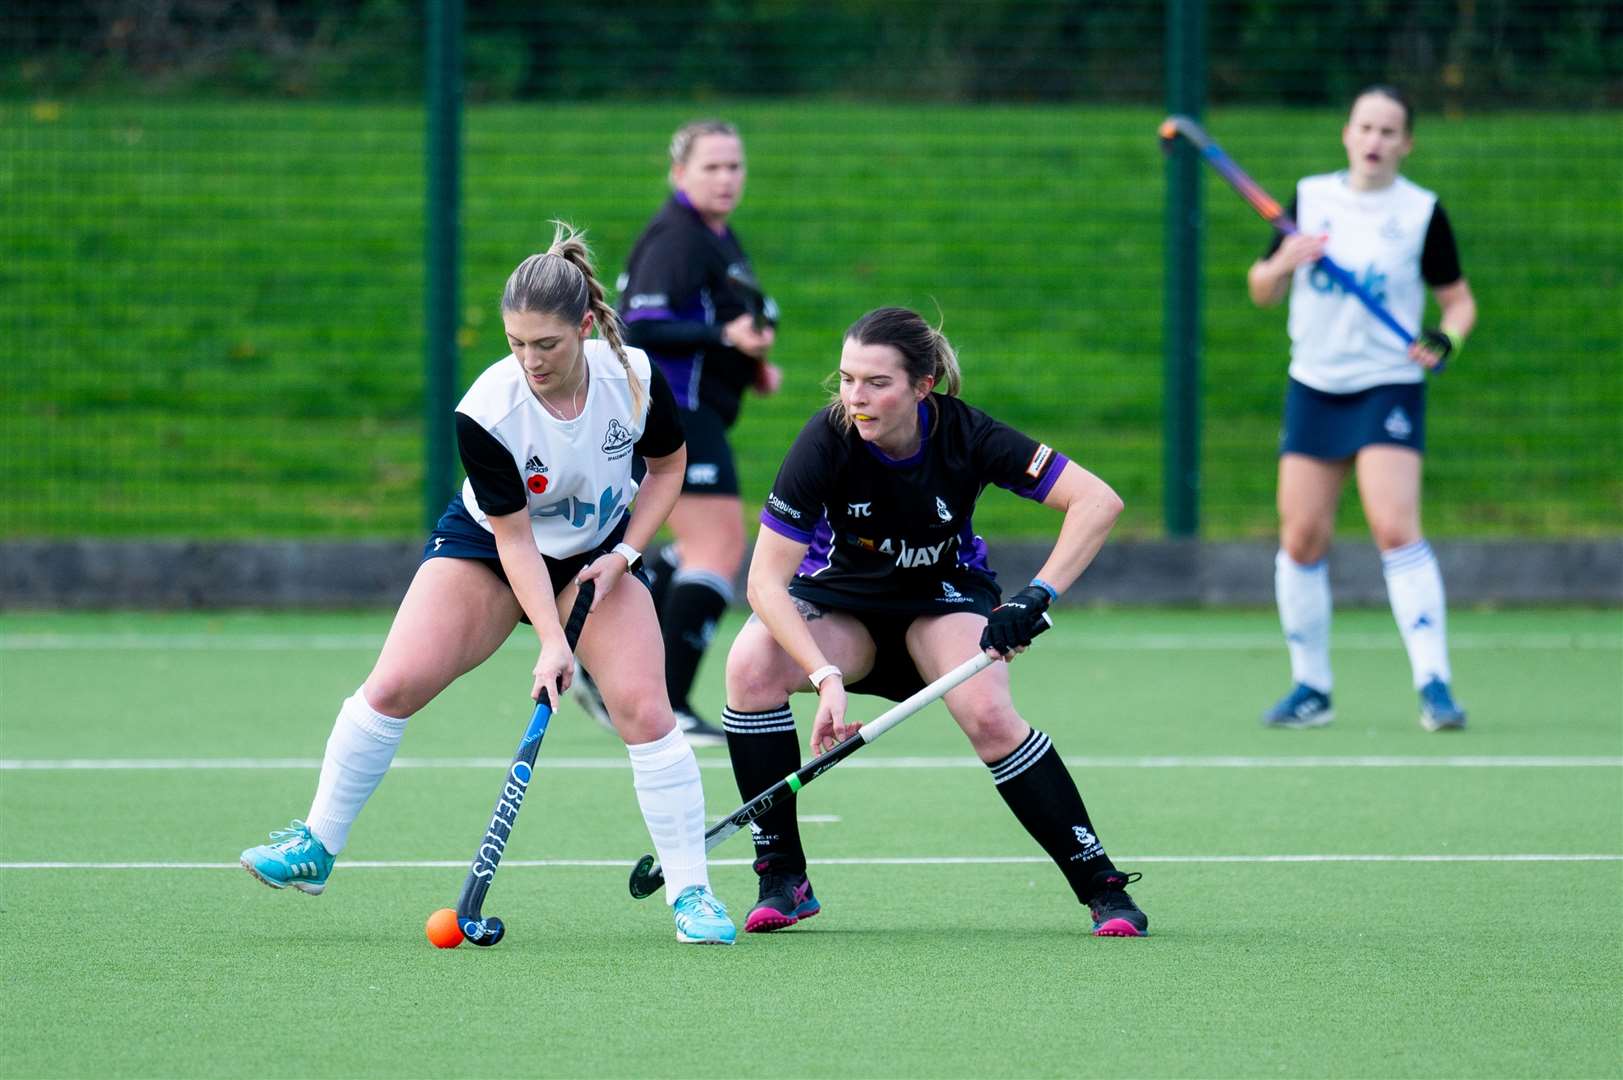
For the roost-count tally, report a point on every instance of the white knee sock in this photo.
(1303, 594)
(1414, 584)
(666, 775)
(359, 751)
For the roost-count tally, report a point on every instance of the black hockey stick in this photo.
(647, 877)
(476, 927)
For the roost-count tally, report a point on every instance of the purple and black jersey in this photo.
(881, 529)
(675, 298)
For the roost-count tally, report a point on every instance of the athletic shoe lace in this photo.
(1114, 892)
(773, 883)
(296, 834)
(699, 902)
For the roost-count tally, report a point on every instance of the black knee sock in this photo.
(659, 568)
(764, 750)
(687, 620)
(1040, 791)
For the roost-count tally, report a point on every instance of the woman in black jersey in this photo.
(869, 575)
(689, 299)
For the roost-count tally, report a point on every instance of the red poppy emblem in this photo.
(537, 484)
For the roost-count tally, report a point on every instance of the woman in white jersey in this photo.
(1356, 399)
(547, 435)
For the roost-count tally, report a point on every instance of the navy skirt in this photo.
(1336, 426)
(458, 536)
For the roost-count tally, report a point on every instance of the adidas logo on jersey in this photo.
(534, 465)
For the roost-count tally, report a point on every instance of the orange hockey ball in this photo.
(443, 930)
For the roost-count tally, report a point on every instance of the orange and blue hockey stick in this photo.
(1273, 213)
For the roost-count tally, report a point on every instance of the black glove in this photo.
(1016, 621)
(1440, 342)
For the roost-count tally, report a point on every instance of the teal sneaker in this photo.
(701, 919)
(296, 858)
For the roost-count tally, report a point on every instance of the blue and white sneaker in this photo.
(1303, 707)
(701, 919)
(1438, 710)
(294, 858)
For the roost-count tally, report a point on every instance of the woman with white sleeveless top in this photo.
(1357, 397)
(548, 435)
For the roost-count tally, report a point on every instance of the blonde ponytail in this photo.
(563, 282)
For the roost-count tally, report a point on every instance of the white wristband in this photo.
(630, 554)
(822, 673)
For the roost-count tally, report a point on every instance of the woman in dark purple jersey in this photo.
(868, 575)
(689, 298)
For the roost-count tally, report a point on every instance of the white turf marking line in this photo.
(1167, 761)
(922, 860)
(1141, 642)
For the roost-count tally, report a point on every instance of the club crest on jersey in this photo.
(1397, 424)
(536, 481)
(1392, 230)
(941, 510)
(617, 440)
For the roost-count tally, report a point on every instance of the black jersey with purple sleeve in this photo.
(675, 298)
(880, 529)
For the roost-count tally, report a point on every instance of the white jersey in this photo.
(1337, 345)
(576, 474)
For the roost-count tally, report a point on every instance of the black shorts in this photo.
(456, 535)
(894, 675)
(1336, 426)
(710, 458)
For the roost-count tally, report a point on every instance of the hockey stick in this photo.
(1273, 213)
(476, 927)
(646, 876)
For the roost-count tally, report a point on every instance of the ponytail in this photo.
(562, 282)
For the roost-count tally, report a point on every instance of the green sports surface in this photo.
(1361, 900)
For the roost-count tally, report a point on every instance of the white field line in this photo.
(1150, 642)
(1168, 761)
(922, 860)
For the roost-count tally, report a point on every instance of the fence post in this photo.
(1186, 93)
(441, 269)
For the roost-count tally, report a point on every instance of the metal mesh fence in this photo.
(212, 219)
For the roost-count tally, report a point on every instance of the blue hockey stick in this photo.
(476, 927)
(1274, 214)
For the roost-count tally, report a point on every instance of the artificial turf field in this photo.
(1363, 900)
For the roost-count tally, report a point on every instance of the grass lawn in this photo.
(211, 314)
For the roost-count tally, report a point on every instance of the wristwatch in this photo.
(630, 554)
